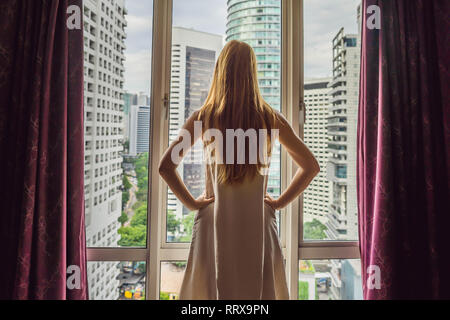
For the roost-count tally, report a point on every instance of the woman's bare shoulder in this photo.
(280, 121)
(195, 116)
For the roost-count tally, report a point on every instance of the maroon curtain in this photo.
(41, 145)
(403, 151)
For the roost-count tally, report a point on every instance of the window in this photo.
(114, 280)
(171, 274)
(134, 116)
(116, 183)
(329, 217)
(194, 53)
(195, 47)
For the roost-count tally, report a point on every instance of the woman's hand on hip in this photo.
(271, 202)
(202, 202)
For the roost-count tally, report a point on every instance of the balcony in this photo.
(337, 120)
(337, 107)
(337, 161)
(338, 98)
(336, 81)
(336, 90)
(336, 173)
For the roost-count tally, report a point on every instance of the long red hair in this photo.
(235, 102)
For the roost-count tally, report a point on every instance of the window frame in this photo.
(294, 247)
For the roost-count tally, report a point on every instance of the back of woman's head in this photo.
(235, 102)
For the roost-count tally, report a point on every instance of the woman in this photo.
(235, 252)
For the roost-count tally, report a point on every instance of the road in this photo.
(132, 200)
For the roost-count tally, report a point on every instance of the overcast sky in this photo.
(323, 19)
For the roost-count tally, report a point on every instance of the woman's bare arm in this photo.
(307, 163)
(168, 170)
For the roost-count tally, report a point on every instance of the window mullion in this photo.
(117, 254)
(292, 77)
(330, 252)
(162, 24)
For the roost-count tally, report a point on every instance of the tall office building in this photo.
(139, 129)
(341, 169)
(258, 23)
(194, 55)
(104, 35)
(315, 198)
(342, 126)
(142, 99)
(129, 99)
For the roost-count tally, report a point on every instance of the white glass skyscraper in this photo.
(139, 130)
(316, 196)
(104, 35)
(341, 170)
(342, 123)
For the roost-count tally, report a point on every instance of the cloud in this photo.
(139, 24)
(202, 15)
(138, 71)
(138, 46)
(322, 21)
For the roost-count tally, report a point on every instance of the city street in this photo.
(132, 200)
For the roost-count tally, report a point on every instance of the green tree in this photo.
(315, 230)
(303, 290)
(126, 183)
(163, 296)
(173, 224)
(125, 198)
(141, 160)
(188, 223)
(179, 264)
(140, 216)
(133, 236)
(142, 194)
(141, 169)
(123, 218)
(141, 166)
(126, 186)
(138, 204)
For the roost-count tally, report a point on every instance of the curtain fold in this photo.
(42, 152)
(403, 151)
